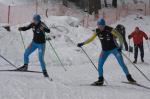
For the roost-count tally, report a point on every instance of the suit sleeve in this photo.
(46, 29)
(90, 39)
(26, 27)
(145, 35)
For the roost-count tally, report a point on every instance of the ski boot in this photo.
(142, 60)
(45, 73)
(23, 68)
(135, 61)
(130, 79)
(100, 82)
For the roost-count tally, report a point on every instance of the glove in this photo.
(20, 29)
(119, 49)
(48, 39)
(129, 37)
(80, 44)
(146, 38)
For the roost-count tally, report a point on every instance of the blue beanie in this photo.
(101, 21)
(37, 18)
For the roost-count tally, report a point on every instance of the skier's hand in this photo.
(20, 29)
(80, 44)
(48, 39)
(129, 37)
(146, 38)
(119, 49)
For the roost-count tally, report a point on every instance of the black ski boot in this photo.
(100, 82)
(135, 61)
(142, 60)
(45, 73)
(130, 79)
(23, 68)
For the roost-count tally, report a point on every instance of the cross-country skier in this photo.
(39, 28)
(138, 36)
(121, 29)
(106, 35)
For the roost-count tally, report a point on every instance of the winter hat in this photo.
(37, 18)
(137, 28)
(101, 21)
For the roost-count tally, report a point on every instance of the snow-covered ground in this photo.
(74, 83)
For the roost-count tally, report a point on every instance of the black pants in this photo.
(136, 47)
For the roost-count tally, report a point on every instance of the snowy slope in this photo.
(74, 83)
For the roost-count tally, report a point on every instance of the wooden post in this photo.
(8, 14)
(36, 6)
(145, 9)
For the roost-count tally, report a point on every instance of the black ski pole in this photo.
(148, 45)
(136, 67)
(8, 61)
(92, 62)
(22, 40)
(57, 56)
(89, 59)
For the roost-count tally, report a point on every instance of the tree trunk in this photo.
(114, 3)
(65, 3)
(105, 3)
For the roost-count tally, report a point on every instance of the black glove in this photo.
(48, 38)
(80, 44)
(20, 28)
(129, 37)
(119, 49)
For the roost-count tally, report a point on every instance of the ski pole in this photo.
(92, 62)
(136, 67)
(148, 45)
(129, 46)
(22, 40)
(57, 56)
(89, 59)
(8, 61)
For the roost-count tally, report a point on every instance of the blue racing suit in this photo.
(38, 42)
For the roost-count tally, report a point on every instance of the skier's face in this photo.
(137, 30)
(35, 22)
(101, 27)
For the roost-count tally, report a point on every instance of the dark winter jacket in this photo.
(38, 30)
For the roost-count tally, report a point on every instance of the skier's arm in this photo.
(118, 35)
(45, 28)
(26, 27)
(131, 35)
(145, 35)
(90, 39)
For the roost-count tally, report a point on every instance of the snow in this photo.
(74, 83)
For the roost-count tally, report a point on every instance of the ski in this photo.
(137, 84)
(20, 71)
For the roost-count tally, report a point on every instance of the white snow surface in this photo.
(75, 82)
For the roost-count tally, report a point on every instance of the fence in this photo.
(23, 13)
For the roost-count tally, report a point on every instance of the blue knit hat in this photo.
(101, 21)
(37, 18)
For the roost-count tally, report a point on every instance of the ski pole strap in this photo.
(57, 56)
(8, 61)
(136, 67)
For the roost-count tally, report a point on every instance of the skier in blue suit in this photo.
(38, 42)
(107, 36)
